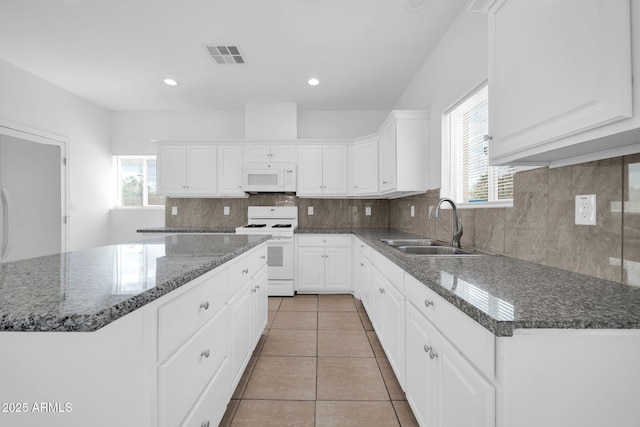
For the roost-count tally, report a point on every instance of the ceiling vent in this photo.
(223, 54)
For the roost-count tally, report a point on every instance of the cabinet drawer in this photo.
(475, 342)
(365, 249)
(389, 270)
(241, 270)
(324, 240)
(212, 405)
(181, 317)
(182, 378)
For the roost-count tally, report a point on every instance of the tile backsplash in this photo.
(539, 227)
(327, 213)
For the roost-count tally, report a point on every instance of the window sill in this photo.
(138, 208)
(486, 205)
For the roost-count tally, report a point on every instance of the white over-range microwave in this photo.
(269, 177)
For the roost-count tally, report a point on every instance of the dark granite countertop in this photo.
(86, 290)
(503, 293)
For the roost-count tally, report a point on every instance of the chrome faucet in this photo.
(456, 220)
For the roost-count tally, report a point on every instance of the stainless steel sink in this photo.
(434, 250)
(429, 247)
(413, 242)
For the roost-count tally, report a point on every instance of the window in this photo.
(136, 181)
(470, 178)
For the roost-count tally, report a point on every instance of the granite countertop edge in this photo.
(95, 321)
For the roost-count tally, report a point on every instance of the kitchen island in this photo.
(150, 333)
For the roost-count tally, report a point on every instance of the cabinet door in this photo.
(556, 69)
(260, 302)
(310, 269)
(283, 153)
(242, 331)
(387, 159)
(257, 154)
(366, 168)
(335, 170)
(420, 385)
(230, 170)
(337, 271)
(378, 284)
(394, 304)
(172, 169)
(310, 170)
(201, 169)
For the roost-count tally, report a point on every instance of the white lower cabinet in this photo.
(442, 387)
(324, 263)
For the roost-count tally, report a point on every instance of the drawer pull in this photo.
(245, 271)
(205, 305)
(205, 353)
(257, 286)
(362, 264)
(427, 303)
(253, 290)
(429, 350)
(205, 424)
(381, 290)
(263, 257)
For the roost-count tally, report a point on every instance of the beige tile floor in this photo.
(319, 363)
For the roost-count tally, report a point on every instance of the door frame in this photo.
(41, 137)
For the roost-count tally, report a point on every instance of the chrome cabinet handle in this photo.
(429, 350)
(384, 182)
(487, 138)
(205, 353)
(205, 305)
(205, 424)
(263, 257)
(362, 264)
(245, 271)
(427, 303)
(257, 286)
(381, 290)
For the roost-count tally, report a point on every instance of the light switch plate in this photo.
(586, 209)
(310, 210)
(226, 210)
(367, 210)
(174, 210)
(413, 211)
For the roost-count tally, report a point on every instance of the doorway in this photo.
(33, 193)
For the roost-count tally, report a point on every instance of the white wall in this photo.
(457, 65)
(336, 124)
(132, 131)
(30, 101)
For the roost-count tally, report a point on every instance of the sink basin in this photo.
(434, 250)
(413, 242)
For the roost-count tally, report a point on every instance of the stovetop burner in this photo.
(282, 226)
(255, 225)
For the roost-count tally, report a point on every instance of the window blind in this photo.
(472, 179)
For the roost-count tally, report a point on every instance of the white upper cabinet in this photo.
(365, 168)
(187, 170)
(230, 170)
(560, 78)
(402, 153)
(322, 170)
(284, 153)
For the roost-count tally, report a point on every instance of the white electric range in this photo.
(280, 222)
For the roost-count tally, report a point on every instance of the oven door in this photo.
(280, 258)
(263, 177)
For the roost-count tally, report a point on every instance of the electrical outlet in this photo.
(174, 210)
(310, 210)
(367, 210)
(226, 210)
(586, 209)
(413, 211)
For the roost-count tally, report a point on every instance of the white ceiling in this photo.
(116, 53)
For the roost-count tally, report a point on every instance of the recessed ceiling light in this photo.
(313, 82)
(171, 82)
